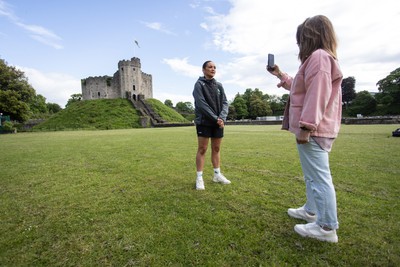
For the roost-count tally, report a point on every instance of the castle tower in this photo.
(133, 82)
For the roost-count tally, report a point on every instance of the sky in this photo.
(58, 43)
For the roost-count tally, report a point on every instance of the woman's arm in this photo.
(286, 80)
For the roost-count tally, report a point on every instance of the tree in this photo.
(285, 98)
(364, 104)
(38, 105)
(74, 98)
(249, 93)
(232, 113)
(348, 91)
(253, 103)
(15, 93)
(184, 107)
(11, 104)
(277, 104)
(258, 107)
(168, 103)
(389, 92)
(53, 108)
(240, 107)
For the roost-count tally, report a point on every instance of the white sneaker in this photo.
(200, 184)
(313, 230)
(220, 178)
(301, 213)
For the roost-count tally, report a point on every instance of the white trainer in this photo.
(313, 230)
(220, 178)
(301, 213)
(200, 184)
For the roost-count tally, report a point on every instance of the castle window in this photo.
(98, 94)
(134, 88)
(108, 81)
(122, 69)
(133, 69)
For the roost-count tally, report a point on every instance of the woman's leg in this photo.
(321, 196)
(215, 152)
(201, 152)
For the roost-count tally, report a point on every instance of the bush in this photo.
(8, 126)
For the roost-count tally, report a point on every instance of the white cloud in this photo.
(6, 11)
(55, 87)
(158, 27)
(368, 39)
(38, 33)
(47, 41)
(209, 10)
(181, 65)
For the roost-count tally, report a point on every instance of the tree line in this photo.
(254, 103)
(385, 102)
(19, 100)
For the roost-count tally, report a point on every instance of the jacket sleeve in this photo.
(286, 81)
(201, 103)
(225, 105)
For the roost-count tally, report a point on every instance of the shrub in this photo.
(8, 126)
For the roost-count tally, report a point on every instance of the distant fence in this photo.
(360, 121)
(28, 125)
(366, 120)
(373, 120)
(254, 122)
(157, 125)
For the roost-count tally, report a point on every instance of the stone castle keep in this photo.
(128, 82)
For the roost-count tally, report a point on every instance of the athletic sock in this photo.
(217, 170)
(199, 175)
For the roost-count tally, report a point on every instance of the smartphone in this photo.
(271, 61)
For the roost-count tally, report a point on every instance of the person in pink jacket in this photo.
(313, 114)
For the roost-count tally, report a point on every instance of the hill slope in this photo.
(104, 114)
(94, 114)
(165, 112)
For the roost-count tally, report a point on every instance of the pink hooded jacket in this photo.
(315, 96)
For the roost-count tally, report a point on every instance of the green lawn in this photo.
(127, 198)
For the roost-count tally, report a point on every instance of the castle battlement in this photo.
(97, 77)
(147, 75)
(135, 62)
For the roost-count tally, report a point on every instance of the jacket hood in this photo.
(203, 79)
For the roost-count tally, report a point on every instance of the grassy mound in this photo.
(167, 113)
(99, 114)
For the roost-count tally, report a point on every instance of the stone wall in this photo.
(127, 82)
(373, 120)
(254, 122)
(99, 87)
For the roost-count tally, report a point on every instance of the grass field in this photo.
(127, 198)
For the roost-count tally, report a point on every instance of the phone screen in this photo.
(271, 60)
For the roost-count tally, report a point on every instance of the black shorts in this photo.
(209, 131)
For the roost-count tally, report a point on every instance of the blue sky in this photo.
(58, 43)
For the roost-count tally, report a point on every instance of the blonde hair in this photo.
(316, 33)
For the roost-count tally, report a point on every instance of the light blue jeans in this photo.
(321, 196)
